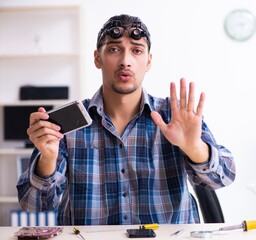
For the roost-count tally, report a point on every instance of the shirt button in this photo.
(125, 194)
(125, 217)
(120, 145)
(122, 171)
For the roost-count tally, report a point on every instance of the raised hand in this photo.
(185, 127)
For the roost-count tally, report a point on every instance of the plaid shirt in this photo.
(138, 178)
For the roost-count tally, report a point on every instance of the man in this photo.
(131, 165)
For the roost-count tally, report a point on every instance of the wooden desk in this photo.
(119, 232)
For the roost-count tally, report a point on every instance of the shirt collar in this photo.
(97, 102)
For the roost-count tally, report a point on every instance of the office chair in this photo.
(209, 205)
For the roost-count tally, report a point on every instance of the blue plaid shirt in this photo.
(137, 178)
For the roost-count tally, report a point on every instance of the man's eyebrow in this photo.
(118, 42)
(112, 42)
(138, 44)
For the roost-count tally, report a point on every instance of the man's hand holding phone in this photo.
(47, 128)
(45, 136)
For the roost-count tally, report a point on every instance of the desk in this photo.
(119, 232)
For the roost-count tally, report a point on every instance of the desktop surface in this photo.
(164, 231)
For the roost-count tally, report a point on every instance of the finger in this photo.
(41, 109)
(44, 132)
(200, 106)
(191, 97)
(44, 126)
(173, 97)
(158, 120)
(36, 116)
(40, 142)
(183, 94)
(47, 137)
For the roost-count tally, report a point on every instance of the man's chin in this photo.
(123, 90)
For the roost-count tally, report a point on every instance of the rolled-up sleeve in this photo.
(219, 171)
(40, 194)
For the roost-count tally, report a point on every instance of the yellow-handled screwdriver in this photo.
(152, 226)
(245, 225)
(77, 232)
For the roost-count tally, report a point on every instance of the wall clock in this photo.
(240, 24)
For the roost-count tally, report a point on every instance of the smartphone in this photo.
(70, 117)
(140, 233)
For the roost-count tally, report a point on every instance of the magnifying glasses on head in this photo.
(115, 29)
(135, 33)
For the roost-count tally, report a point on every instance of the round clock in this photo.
(240, 24)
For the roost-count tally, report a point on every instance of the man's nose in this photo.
(126, 59)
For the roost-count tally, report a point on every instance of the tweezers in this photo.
(177, 232)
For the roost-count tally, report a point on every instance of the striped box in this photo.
(20, 218)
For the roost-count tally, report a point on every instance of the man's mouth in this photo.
(125, 75)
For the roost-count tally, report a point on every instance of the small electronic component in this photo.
(30, 233)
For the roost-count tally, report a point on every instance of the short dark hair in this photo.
(125, 20)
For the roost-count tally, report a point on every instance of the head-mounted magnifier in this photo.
(116, 30)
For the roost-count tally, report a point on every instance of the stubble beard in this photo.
(122, 90)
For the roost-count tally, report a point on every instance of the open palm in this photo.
(184, 130)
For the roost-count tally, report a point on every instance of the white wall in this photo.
(189, 41)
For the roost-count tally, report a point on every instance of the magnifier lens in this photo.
(201, 234)
(136, 34)
(115, 33)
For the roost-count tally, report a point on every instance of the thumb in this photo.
(41, 109)
(157, 118)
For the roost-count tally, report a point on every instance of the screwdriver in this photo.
(152, 226)
(77, 232)
(245, 225)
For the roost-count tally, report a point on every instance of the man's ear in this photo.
(97, 60)
(149, 61)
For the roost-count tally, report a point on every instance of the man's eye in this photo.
(113, 49)
(137, 51)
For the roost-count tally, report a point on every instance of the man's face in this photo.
(124, 62)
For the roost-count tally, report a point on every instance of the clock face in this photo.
(240, 25)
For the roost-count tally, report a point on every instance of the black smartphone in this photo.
(70, 117)
(141, 233)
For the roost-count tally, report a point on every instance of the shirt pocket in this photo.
(87, 170)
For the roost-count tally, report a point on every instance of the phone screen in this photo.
(69, 118)
(140, 233)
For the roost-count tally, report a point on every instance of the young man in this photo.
(131, 165)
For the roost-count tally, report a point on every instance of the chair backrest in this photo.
(209, 205)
